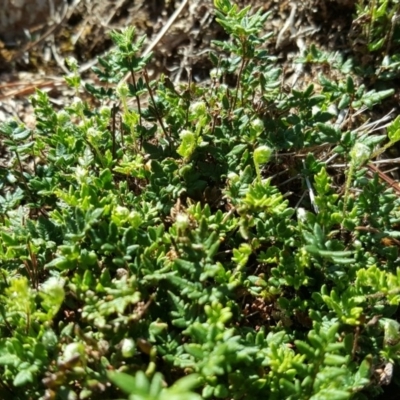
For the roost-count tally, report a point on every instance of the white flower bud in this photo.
(63, 117)
(257, 125)
(360, 153)
(233, 177)
(122, 90)
(72, 63)
(182, 221)
(215, 73)
(105, 112)
(198, 108)
(93, 134)
(301, 214)
(262, 154)
(128, 348)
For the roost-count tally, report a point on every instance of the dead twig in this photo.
(30, 88)
(392, 183)
(161, 34)
(288, 25)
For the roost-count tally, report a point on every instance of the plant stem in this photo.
(159, 118)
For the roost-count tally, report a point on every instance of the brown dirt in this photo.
(82, 30)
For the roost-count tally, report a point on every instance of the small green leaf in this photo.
(350, 85)
(9, 359)
(125, 382)
(334, 359)
(394, 130)
(344, 102)
(305, 349)
(195, 350)
(23, 377)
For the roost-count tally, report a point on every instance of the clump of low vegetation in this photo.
(194, 240)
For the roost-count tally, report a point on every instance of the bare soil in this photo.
(81, 30)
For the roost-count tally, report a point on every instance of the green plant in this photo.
(162, 256)
(139, 388)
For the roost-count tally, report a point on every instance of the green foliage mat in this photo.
(190, 241)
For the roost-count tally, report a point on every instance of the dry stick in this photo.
(370, 127)
(161, 34)
(59, 60)
(374, 230)
(28, 89)
(288, 24)
(392, 183)
(387, 161)
(113, 12)
(149, 48)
